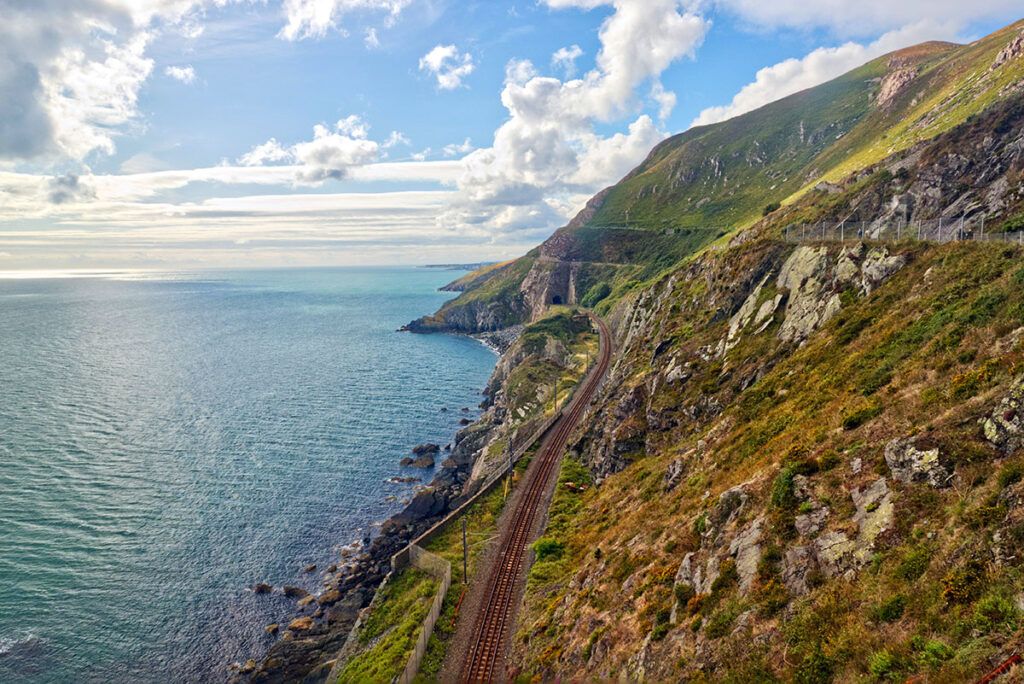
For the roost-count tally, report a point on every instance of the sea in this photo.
(169, 439)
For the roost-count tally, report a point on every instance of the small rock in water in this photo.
(272, 628)
(306, 600)
(295, 592)
(424, 462)
(448, 447)
(249, 666)
(301, 624)
(444, 408)
(465, 421)
(311, 567)
(428, 448)
(262, 588)
(332, 568)
(330, 598)
(407, 461)
(465, 408)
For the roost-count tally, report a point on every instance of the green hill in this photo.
(712, 181)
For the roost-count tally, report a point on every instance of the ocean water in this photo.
(168, 440)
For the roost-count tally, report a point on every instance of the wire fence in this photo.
(939, 230)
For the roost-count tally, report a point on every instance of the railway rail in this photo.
(492, 623)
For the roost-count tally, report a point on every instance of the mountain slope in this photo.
(701, 185)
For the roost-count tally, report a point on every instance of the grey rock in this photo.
(747, 552)
(797, 564)
(809, 523)
(1004, 427)
(909, 464)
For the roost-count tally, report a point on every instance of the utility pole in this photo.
(465, 564)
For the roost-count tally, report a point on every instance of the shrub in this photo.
(719, 624)
(934, 654)
(659, 631)
(889, 611)
(595, 294)
(854, 418)
(829, 459)
(913, 564)
(783, 489)
(1010, 473)
(964, 584)
(727, 576)
(684, 592)
(816, 667)
(770, 208)
(884, 665)
(548, 548)
(994, 614)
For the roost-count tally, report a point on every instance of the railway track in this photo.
(493, 621)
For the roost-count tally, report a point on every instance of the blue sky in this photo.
(210, 133)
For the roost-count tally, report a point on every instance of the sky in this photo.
(264, 133)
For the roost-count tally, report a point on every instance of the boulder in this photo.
(301, 624)
(874, 515)
(428, 448)
(910, 464)
(329, 598)
(306, 600)
(310, 568)
(1004, 427)
(262, 588)
(272, 628)
(797, 565)
(407, 461)
(747, 552)
(673, 474)
(834, 552)
(465, 421)
(811, 522)
(294, 592)
(424, 462)
(249, 666)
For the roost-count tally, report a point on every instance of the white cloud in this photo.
(370, 39)
(793, 75)
(70, 73)
(329, 155)
(665, 99)
(546, 159)
(866, 17)
(565, 59)
(269, 152)
(456, 149)
(395, 139)
(314, 18)
(448, 64)
(186, 74)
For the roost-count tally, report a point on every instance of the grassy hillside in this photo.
(710, 181)
(751, 499)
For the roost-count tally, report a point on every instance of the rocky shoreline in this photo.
(321, 623)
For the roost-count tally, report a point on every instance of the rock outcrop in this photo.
(910, 464)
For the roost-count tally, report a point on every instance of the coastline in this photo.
(308, 654)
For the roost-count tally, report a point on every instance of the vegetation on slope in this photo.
(700, 185)
(801, 429)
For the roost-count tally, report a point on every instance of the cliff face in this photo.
(800, 450)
